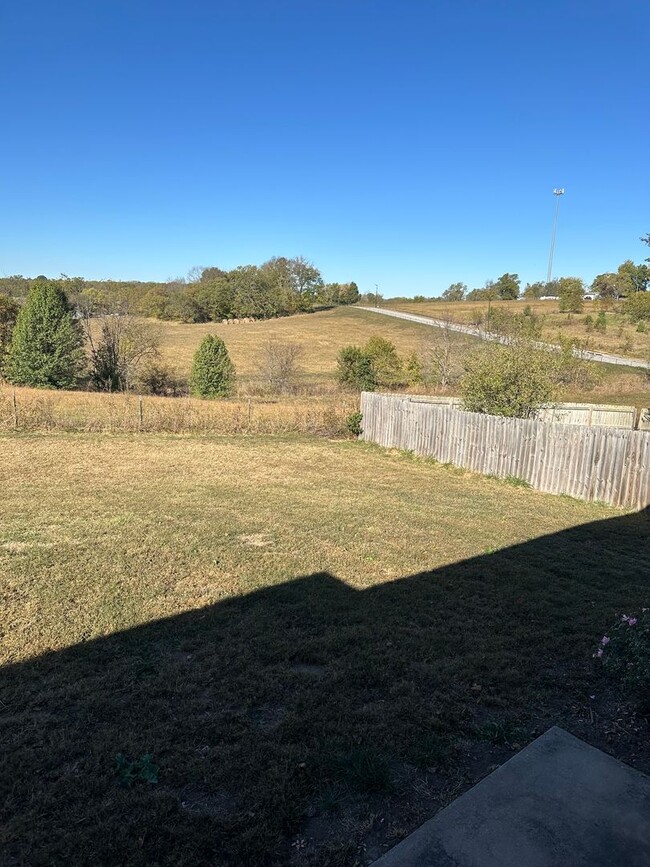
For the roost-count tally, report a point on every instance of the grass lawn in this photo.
(319, 643)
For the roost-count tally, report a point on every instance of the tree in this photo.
(8, 315)
(213, 373)
(124, 347)
(278, 366)
(571, 291)
(507, 286)
(355, 369)
(646, 240)
(515, 380)
(46, 348)
(348, 293)
(535, 290)
(440, 356)
(607, 286)
(305, 281)
(633, 278)
(455, 292)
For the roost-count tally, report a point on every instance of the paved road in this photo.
(588, 354)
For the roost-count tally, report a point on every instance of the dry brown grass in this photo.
(233, 607)
(620, 337)
(322, 335)
(40, 410)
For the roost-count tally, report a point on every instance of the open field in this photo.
(620, 336)
(323, 334)
(318, 643)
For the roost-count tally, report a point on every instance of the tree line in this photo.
(279, 287)
(627, 281)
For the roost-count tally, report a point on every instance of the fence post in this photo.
(15, 406)
(140, 413)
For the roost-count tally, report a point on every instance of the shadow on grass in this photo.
(263, 709)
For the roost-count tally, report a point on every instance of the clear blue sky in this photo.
(409, 144)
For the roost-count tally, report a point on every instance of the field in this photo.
(283, 650)
(620, 336)
(323, 334)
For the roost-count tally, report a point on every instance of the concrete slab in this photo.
(557, 803)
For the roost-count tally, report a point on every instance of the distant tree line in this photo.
(627, 281)
(279, 287)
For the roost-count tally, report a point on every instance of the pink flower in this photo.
(605, 640)
(632, 621)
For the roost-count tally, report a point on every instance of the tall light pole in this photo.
(557, 192)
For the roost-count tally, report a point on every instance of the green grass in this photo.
(297, 647)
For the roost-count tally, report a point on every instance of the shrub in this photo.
(513, 381)
(213, 373)
(386, 363)
(625, 654)
(641, 327)
(160, 379)
(353, 424)
(601, 322)
(355, 369)
(589, 322)
(637, 306)
(46, 347)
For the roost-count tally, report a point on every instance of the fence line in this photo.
(605, 415)
(610, 465)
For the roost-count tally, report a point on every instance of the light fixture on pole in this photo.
(557, 192)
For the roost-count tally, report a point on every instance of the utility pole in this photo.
(376, 295)
(557, 192)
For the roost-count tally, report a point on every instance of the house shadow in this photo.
(266, 709)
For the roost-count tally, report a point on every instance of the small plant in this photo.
(589, 323)
(625, 655)
(141, 770)
(641, 327)
(601, 322)
(500, 732)
(353, 424)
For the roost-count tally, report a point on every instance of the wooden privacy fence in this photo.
(610, 465)
(605, 415)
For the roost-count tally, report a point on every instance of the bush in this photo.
(641, 327)
(353, 424)
(213, 373)
(355, 369)
(513, 381)
(601, 322)
(625, 654)
(46, 347)
(386, 363)
(637, 306)
(160, 379)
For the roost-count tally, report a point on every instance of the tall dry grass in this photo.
(26, 410)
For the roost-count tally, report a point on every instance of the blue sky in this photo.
(409, 144)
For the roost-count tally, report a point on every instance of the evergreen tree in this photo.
(213, 373)
(46, 348)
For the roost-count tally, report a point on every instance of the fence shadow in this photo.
(257, 709)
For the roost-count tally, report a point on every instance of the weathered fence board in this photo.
(607, 464)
